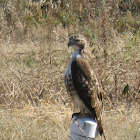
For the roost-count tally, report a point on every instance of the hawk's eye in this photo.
(71, 38)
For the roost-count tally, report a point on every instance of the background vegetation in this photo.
(34, 56)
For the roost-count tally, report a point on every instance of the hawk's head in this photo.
(78, 42)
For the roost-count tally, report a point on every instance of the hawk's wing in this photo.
(94, 87)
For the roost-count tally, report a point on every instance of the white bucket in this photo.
(83, 129)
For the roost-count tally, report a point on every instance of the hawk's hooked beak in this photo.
(71, 42)
(68, 44)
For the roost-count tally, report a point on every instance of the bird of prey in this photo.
(82, 82)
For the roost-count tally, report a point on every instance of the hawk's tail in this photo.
(101, 132)
(100, 126)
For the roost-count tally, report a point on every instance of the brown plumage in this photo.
(82, 82)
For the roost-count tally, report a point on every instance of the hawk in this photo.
(82, 82)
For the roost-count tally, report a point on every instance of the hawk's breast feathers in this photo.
(81, 79)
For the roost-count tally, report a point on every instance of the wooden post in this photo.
(83, 129)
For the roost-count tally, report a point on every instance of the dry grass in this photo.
(35, 105)
(34, 55)
(49, 121)
(33, 97)
(52, 121)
